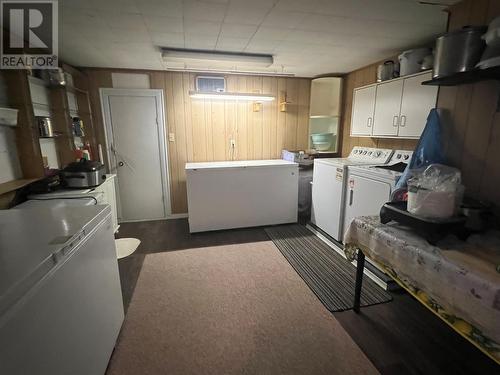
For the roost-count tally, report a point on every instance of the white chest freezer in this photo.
(236, 194)
(61, 306)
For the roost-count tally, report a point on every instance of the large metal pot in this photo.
(458, 51)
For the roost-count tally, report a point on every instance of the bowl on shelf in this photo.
(322, 141)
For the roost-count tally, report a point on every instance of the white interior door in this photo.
(362, 111)
(417, 101)
(387, 108)
(137, 151)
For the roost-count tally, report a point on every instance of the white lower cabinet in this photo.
(399, 108)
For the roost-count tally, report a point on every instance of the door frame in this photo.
(161, 122)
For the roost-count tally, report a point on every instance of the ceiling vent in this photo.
(210, 84)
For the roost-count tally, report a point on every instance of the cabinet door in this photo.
(387, 107)
(417, 101)
(109, 190)
(325, 97)
(362, 111)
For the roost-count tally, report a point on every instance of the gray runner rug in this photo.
(328, 274)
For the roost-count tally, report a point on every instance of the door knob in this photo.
(121, 164)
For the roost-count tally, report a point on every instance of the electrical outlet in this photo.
(171, 137)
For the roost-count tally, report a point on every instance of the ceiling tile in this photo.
(231, 44)
(267, 4)
(308, 37)
(237, 31)
(164, 24)
(167, 39)
(308, 6)
(320, 22)
(127, 35)
(163, 8)
(126, 6)
(194, 27)
(205, 11)
(386, 10)
(262, 46)
(200, 41)
(270, 33)
(124, 21)
(245, 14)
(283, 19)
(82, 17)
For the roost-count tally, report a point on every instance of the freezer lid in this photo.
(57, 202)
(239, 164)
(33, 241)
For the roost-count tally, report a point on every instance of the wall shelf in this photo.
(462, 78)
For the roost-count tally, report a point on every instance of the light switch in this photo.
(171, 137)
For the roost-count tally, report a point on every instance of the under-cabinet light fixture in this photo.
(231, 96)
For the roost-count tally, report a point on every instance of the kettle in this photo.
(385, 71)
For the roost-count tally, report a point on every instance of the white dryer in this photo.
(329, 185)
(369, 187)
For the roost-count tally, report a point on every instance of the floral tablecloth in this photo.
(459, 281)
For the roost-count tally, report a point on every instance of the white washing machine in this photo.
(329, 185)
(369, 187)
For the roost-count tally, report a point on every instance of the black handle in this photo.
(351, 194)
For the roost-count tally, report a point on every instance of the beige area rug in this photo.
(237, 309)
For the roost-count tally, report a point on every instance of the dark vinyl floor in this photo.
(400, 337)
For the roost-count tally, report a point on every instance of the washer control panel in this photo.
(401, 156)
(369, 154)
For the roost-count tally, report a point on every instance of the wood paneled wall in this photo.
(203, 129)
(472, 126)
(358, 78)
(471, 122)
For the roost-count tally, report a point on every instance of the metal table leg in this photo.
(359, 280)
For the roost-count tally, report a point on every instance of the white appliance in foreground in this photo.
(237, 194)
(369, 187)
(105, 193)
(329, 185)
(61, 305)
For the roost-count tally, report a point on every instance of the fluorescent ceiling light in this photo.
(237, 72)
(218, 57)
(231, 96)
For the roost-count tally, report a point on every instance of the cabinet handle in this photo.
(403, 120)
(395, 121)
(369, 122)
(351, 196)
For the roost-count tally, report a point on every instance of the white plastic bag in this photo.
(435, 192)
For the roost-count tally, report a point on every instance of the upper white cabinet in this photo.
(387, 107)
(400, 107)
(416, 103)
(325, 97)
(363, 107)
